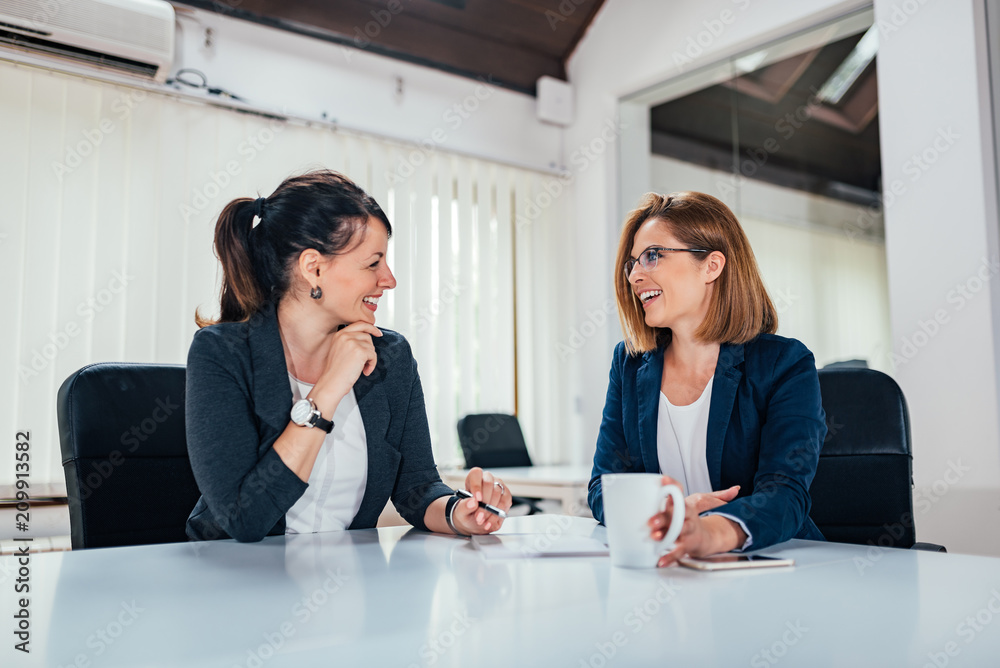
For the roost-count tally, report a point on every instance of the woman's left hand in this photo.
(711, 500)
(469, 517)
(699, 536)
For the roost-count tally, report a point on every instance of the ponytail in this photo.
(241, 295)
(321, 210)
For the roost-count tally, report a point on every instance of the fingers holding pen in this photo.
(484, 488)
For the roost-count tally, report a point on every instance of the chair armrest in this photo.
(928, 547)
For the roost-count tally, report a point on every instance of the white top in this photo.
(339, 476)
(681, 440)
(681, 445)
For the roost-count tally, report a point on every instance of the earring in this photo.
(316, 293)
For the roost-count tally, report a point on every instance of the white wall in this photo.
(940, 233)
(936, 235)
(302, 75)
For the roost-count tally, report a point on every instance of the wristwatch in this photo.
(305, 414)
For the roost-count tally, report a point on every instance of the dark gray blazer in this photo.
(238, 403)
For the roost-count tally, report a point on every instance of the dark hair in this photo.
(321, 209)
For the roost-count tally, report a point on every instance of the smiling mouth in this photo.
(370, 302)
(649, 295)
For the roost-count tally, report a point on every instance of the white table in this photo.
(565, 483)
(397, 597)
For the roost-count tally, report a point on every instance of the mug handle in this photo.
(677, 520)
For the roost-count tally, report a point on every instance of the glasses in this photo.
(649, 257)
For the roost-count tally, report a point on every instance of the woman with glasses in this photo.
(702, 389)
(302, 415)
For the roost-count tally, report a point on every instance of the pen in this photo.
(465, 494)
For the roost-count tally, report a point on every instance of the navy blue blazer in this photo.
(766, 426)
(238, 401)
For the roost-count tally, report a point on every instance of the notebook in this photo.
(534, 545)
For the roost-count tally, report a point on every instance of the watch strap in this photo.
(317, 420)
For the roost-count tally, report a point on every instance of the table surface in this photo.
(556, 475)
(401, 597)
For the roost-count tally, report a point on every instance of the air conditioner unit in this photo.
(133, 37)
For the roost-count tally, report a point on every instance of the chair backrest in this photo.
(863, 489)
(124, 454)
(492, 440)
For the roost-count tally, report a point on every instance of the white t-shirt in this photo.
(339, 476)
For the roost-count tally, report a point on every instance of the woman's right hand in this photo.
(352, 353)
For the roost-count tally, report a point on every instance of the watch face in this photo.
(301, 410)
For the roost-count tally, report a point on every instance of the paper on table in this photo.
(533, 545)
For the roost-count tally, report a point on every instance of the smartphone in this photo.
(728, 562)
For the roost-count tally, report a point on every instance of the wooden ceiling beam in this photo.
(405, 35)
(549, 27)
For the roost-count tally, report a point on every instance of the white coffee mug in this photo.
(630, 499)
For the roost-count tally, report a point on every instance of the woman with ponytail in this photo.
(302, 415)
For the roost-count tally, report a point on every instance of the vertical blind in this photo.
(111, 195)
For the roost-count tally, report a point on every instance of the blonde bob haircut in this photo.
(740, 308)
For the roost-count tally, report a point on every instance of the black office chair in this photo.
(124, 454)
(495, 440)
(863, 489)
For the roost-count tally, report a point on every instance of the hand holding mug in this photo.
(629, 501)
(698, 536)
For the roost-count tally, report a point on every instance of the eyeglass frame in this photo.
(631, 262)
